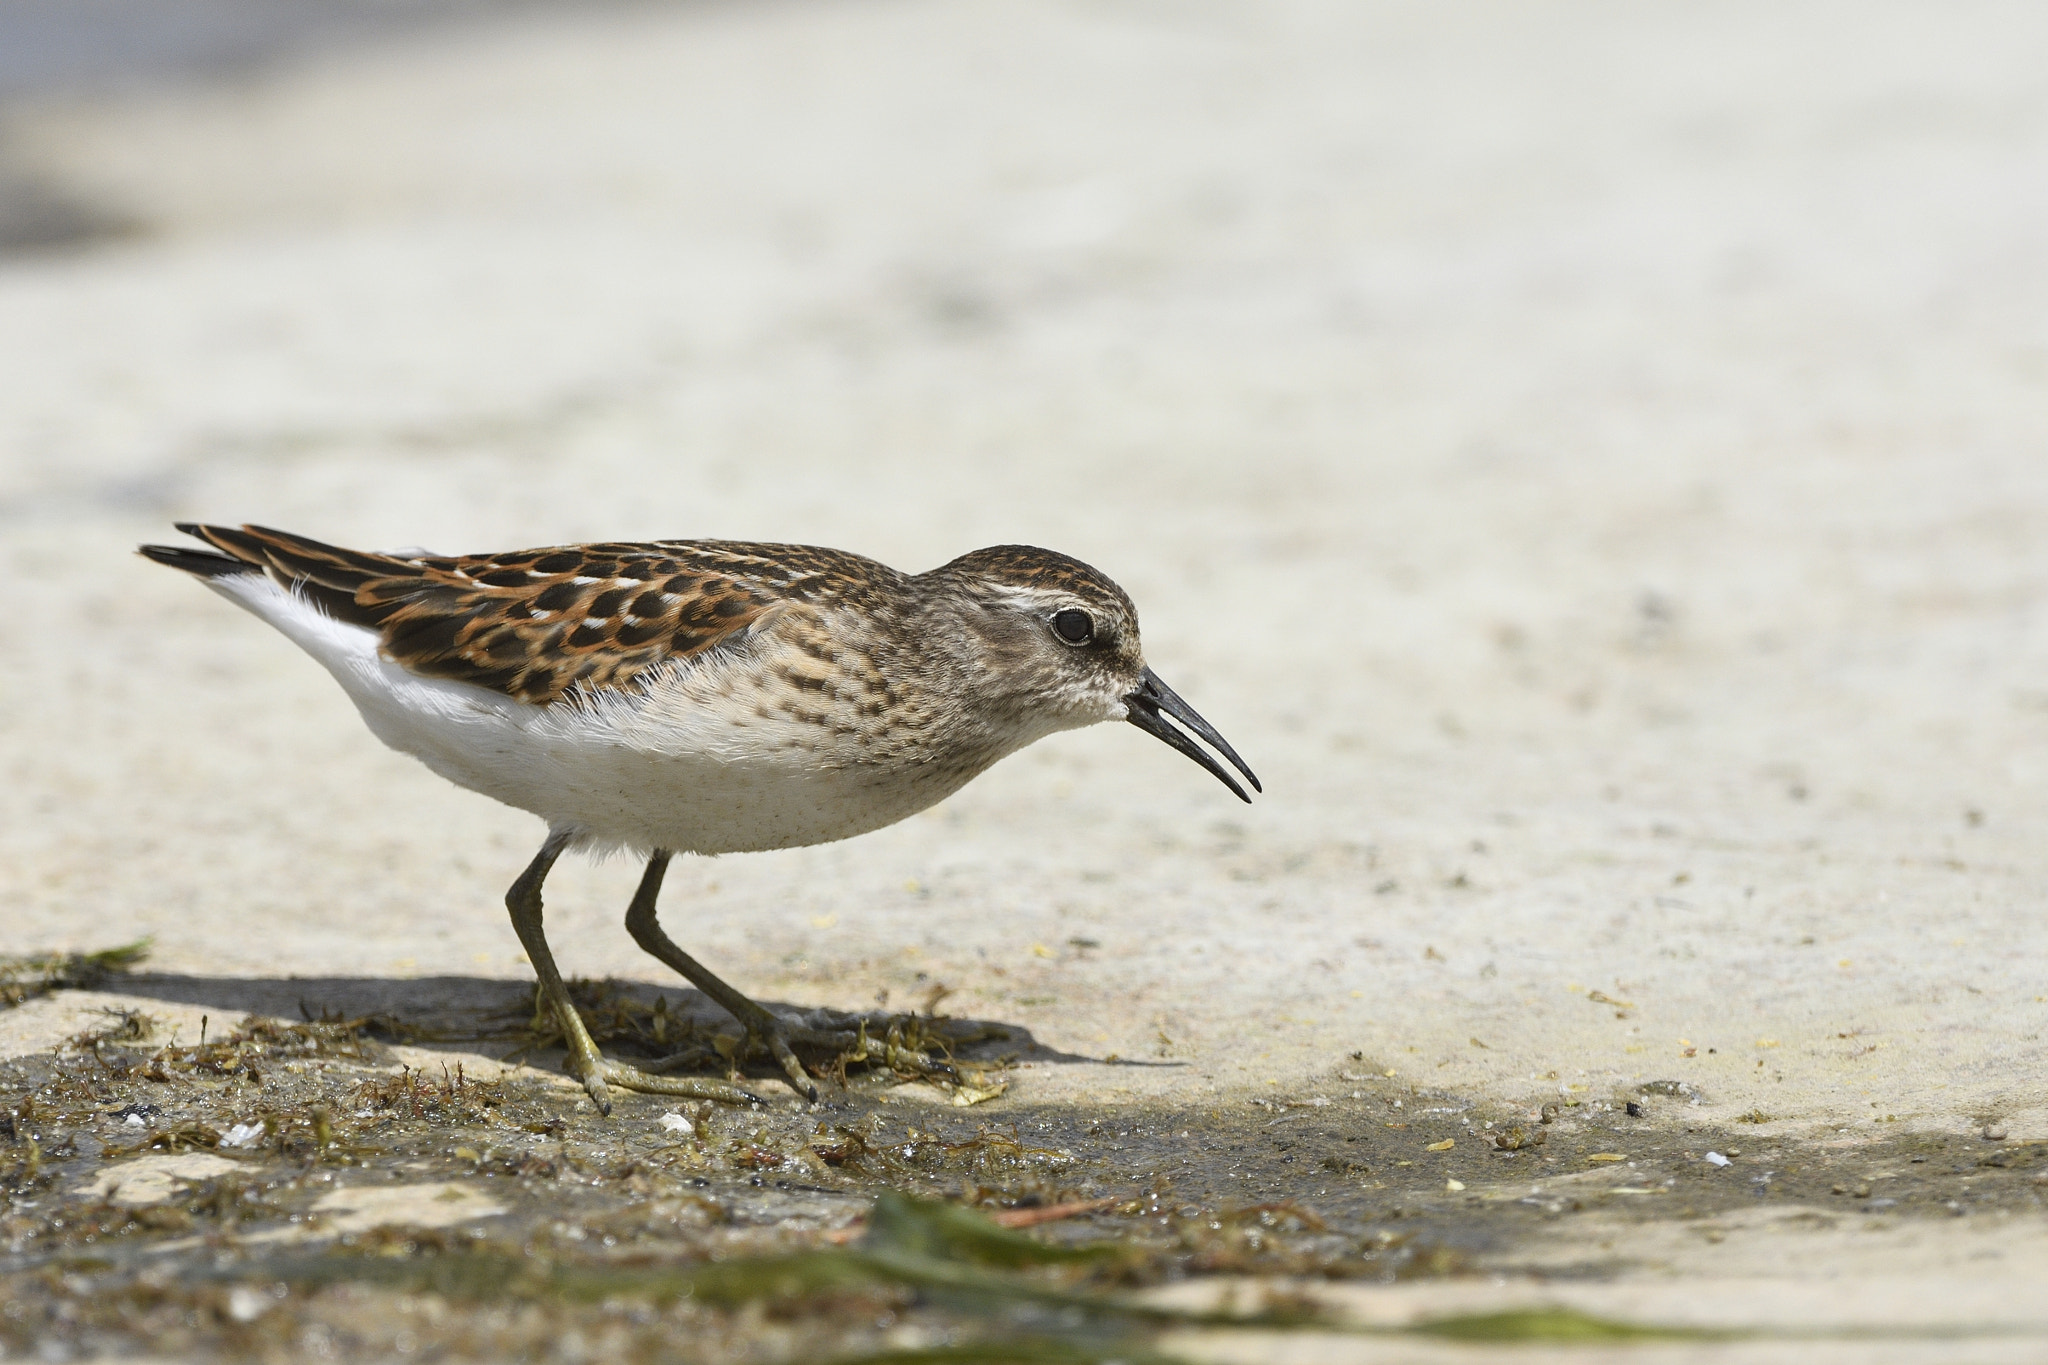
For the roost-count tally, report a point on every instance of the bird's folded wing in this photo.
(529, 623)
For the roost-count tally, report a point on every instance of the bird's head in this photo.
(1057, 644)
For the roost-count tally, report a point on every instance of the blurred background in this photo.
(1588, 456)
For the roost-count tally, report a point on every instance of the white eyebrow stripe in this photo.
(1045, 598)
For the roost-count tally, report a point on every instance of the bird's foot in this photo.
(597, 1072)
(835, 1039)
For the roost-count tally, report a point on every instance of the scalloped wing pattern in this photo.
(534, 624)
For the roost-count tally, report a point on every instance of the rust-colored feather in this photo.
(535, 623)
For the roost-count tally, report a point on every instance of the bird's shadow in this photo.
(447, 1011)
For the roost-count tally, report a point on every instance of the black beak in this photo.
(1149, 706)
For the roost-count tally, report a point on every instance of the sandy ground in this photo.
(1590, 461)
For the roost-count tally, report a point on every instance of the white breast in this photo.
(690, 765)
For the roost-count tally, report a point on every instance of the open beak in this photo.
(1153, 701)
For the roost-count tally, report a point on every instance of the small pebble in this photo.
(1716, 1159)
(676, 1123)
(1994, 1132)
(246, 1304)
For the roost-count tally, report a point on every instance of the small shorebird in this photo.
(702, 696)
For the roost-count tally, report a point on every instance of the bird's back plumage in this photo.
(533, 624)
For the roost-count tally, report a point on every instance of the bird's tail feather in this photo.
(327, 574)
(198, 563)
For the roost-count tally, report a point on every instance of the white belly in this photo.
(614, 794)
(691, 768)
(581, 771)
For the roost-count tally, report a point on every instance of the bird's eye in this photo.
(1074, 627)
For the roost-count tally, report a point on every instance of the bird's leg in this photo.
(585, 1062)
(647, 932)
(816, 1028)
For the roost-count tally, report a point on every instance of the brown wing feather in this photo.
(535, 623)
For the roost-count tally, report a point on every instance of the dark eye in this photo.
(1075, 627)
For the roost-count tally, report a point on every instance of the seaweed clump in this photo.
(24, 978)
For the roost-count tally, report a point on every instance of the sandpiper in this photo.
(702, 696)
